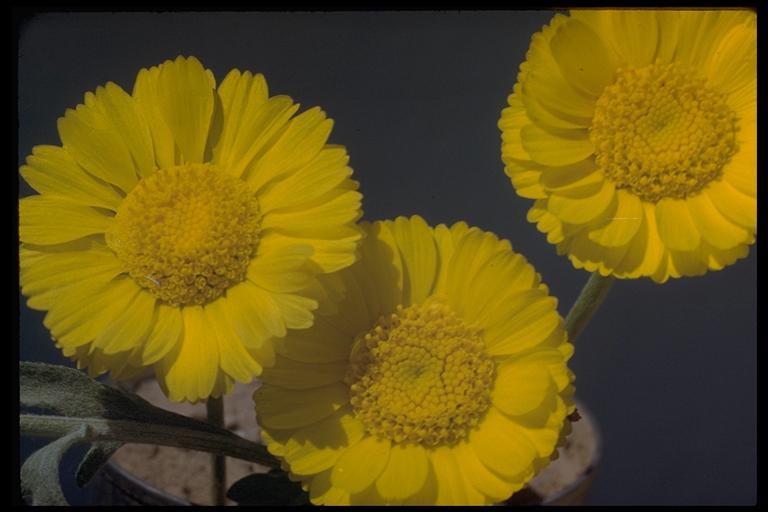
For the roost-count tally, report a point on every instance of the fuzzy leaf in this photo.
(87, 411)
(40, 472)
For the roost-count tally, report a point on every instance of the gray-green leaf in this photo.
(110, 417)
(40, 472)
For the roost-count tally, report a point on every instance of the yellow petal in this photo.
(382, 263)
(548, 149)
(145, 95)
(405, 473)
(331, 219)
(574, 177)
(316, 448)
(525, 328)
(321, 344)
(287, 408)
(128, 121)
(715, 228)
(291, 374)
(451, 487)
(669, 26)
(734, 63)
(416, 245)
(44, 274)
(295, 309)
(96, 144)
(676, 227)
(480, 477)
(166, 333)
(653, 248)
(47, 220)
(360, 464)
(189, 371)
(500, 281)
(319, 181)
(245, 319)
(131, 327)
(741, 171)
(185, 99)
(502, 449)
(717, 258)
(322, 492)
(582, 210)
(234, 358)
(512, 120)
(256, 134)
(472, 251)
(635, 35)
(583, 58)
(542, 81)
(241, 95)
(281, 268)
(521, 387)
(735, 206)
(701, 32)
(687, 263)
(83, 310)
(543, 117)
(543, 427)
(53, 172)
(624, 224)
(329, 255)
(301, 141)
(251, 300)
(525, 180)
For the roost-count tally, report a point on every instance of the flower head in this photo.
(635, 133)
(184, 225)
(441, 379)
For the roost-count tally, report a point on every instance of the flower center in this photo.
(659, 132)
(420, 375)
(187, 233)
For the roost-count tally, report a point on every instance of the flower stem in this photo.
(590, 298)
(215, 409)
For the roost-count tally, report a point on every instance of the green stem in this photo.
(215, 409)
(590, 298)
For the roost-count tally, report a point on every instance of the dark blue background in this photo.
(669, 370)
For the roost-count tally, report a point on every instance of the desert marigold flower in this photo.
(440, 379)
(183, 226)
(635, 133)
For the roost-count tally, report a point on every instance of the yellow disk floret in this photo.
(187, 233)
(420, 375)
(659, 132)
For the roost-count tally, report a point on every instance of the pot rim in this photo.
(594, 462)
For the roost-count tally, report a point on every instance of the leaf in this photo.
(273, 488)
(72, 393)
(40, 472)
(110, 417)
(98, 455)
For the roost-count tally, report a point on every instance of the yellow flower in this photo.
(441, 379)
(635, 133)
(183, 226)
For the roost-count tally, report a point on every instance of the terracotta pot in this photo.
(116, 486)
